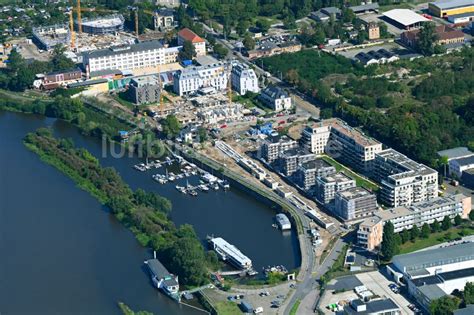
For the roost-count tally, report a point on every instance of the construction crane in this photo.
(79, 19)
(71, 28)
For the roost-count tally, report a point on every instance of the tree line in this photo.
(146, 214)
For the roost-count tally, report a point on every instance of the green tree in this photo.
(220, 50)
(188, 52)
(202, 134)
(263, 24)
(425, 230)
(171, 126)
(435, 226)
(242, 27)
(445, 305)
(457, 220)
(427, 38)
(443, 161)
(414, 233)
(388, 241)
(249, 42)
(446, 223)
(59, 61)
(405, 236)
(468, 294)
(471, 215)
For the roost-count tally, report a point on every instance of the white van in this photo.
(258, 310)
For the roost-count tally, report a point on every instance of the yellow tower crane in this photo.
(79, 19)
(71, 28)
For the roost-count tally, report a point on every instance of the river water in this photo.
(63, 253)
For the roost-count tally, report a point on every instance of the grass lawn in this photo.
(294, 308)
(227, 308)
(360, 181)
(437, 238)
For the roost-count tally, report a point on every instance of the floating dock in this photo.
(229, 252)
(283, 222)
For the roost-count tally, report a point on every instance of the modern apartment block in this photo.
(199, 44)
(129, 57)
(244, 79)
(274, 146)
(327, 187)
(289, 160)
(355, 203)
(144, 90)
(343, 142)
(306, 174)
(192, 79)
(403, 181)
(417, 214)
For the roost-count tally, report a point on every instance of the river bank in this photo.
(218, 213)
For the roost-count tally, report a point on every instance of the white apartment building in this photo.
(404, 181)
(129, 57)
(370, 232)
(343, 142)
(275, 98)
(244, 79)
(458, 166)
(192, 79)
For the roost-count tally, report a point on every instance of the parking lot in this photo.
(378, 284)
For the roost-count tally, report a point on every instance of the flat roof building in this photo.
(355, 203)
(450, 7)
(434, 273)
(191, 79)
(144, 90)
(110, 24)
(327, 187)
(403, 181)
(405, 18)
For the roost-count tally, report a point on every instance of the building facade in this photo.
(57, 78)
(373, 30)
(275, 98)
(327, 187)
(244, 79)
(144, 90)
(289, 160)
(130, 57)
(274, 146)
(342, 142)
(403, 181)
(306, 174)
(404, 218)
(458, 166)
(355, 204)
(163, 19)
(199, 44)
(446, 36)
(191, 79)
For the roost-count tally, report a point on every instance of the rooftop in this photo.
(451, 4)
(104, 21)
(354, 133)
(315, 164)
(119, 50)
(275, 92)
(405, 17)
(455, 153)
(189, 35)
(145, 80)
(435, 257)
(381, 306)
(336, 178)
(468, 310)
(354, 193)
(157, 268)
(465, 160)
(365, 7)
(230, 249)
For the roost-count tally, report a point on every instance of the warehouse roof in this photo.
(451, 4)
(364, 7)
(455, 153)
(465, 160)
(405, 17)
(468, 310)
(434, 257)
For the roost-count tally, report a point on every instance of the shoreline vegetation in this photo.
(145, 214)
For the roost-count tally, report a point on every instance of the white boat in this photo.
(192, 192)
(215, 187)
(181, 189)
(203, 187)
